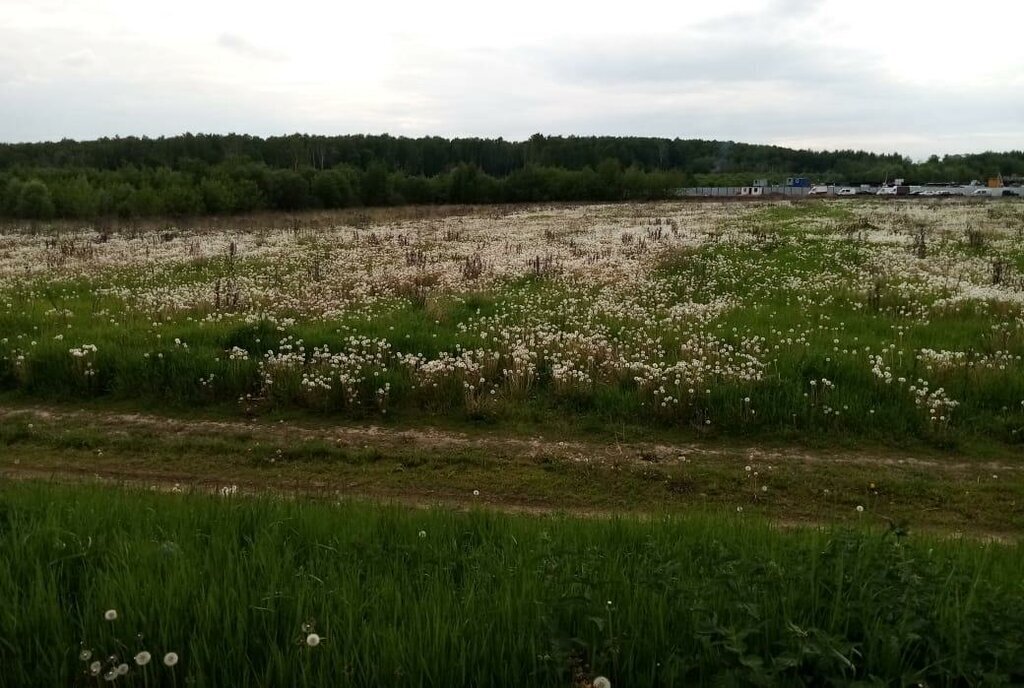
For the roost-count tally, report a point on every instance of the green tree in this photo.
(465, 185)
(246, 196)
(76, 198)
(34, 201)
(143, 202)
(288, 190)
(217, 194)
(609, 172)
(377, 185)
(423, 190)
(333, 189)
(182, 199)
(10, 191)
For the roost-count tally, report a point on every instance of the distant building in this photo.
(762, 183)
(801, 182)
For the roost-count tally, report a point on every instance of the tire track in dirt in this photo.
(166, 482)
(179, 482)
(433, 440)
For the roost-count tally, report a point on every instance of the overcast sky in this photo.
(917, 78)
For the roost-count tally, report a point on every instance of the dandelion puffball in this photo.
(860, 509)
(602, 682)
(171, 658)
(85, 655)
(110, 614)
(423, 534)
(94, 668)
(142, 659)
(122, 669)
(312, 640)
(476, 493)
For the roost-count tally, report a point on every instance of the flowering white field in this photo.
(862, 317)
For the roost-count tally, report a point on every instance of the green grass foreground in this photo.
(438, 598)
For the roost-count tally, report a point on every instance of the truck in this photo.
(887, 190)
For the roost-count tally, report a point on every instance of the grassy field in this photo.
(436, 598)
(882, 322)
(724, 444)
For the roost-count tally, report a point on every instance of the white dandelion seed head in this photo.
(423, 534)
(476, 493)
(94, 668)
(122, 669)
(171, 658)
(142, 658)
(312, 640)
(860, 509)
(602, 682)
(110, 614)
(85, 655)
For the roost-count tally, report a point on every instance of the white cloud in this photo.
(241, 46)
(822, 73)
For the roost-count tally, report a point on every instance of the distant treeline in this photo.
(198, 174)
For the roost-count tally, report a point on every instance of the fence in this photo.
(723, 191)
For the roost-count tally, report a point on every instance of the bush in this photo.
(34, 201)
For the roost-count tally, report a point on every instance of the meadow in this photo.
(890, 322)
(763, 443)
(105, 586)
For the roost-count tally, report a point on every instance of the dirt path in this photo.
(194, 483)
(427, 467)
(439, 441)
(175, 482)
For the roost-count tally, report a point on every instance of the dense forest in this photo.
(214, 174)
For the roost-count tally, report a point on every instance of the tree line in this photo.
(131, 191)
(200, 174)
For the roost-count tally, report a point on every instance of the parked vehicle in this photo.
(893, 191)
(818, 191)
(847, 191)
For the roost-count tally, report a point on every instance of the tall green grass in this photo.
(436, 598)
